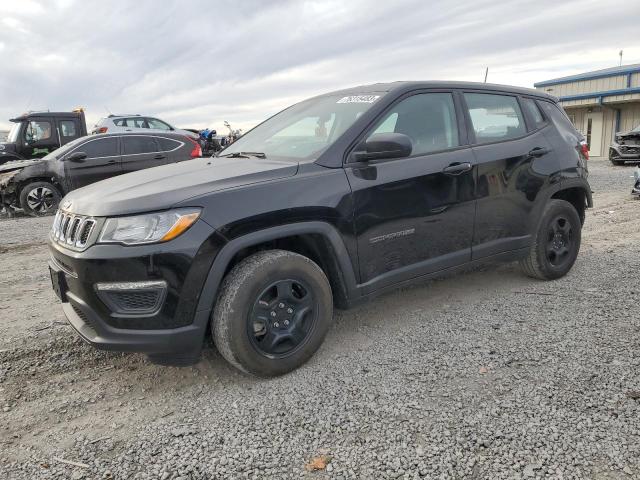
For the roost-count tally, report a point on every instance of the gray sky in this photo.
(197, 63)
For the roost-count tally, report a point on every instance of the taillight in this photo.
(102, 130)
(196, 152)
(584, 149)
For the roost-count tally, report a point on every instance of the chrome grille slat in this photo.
(71, 230)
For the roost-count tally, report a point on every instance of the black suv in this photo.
(36, 186)
(330, 202)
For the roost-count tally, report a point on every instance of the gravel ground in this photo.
(486, 375)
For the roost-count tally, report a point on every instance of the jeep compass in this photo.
(328, 203)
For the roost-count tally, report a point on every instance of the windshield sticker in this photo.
(359, 99)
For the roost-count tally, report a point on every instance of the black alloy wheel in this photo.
(559, 241)
(281, 318)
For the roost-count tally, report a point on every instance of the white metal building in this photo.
(599, 103)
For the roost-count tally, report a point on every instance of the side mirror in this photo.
(383, 146)
(77, 157)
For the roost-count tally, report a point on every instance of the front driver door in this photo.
(102, 161)
(39, 137)
(415, 215)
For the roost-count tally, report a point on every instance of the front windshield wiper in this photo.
(244, 155)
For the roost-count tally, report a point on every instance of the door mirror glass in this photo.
(77, 157)
(384, 145)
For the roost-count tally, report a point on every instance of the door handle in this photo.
(539, 152)
(111, 162)
(457, 168)
(159, 157)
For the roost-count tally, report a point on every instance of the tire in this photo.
(272, 313)
(545, 260)
(39, 198)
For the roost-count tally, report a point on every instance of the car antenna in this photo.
(486, 74)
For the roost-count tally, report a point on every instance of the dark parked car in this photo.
(37, 186)
(330, 202)
(626, 147)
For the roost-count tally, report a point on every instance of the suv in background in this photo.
(38, 187)
(136, 123)
(330, 202)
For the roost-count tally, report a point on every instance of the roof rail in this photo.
(124, 115)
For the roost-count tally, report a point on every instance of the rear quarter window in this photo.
(167, 144)
(531, 108)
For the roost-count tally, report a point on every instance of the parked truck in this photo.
(37, 134)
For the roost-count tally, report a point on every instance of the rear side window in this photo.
(104, 147)
(135, 122)
(495, 117)
(138, 144)
(119, 122)
(531, 107)
(166, 144)
(428, 119)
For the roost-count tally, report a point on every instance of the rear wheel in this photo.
(273, 312)
(557, 242)
(39, 198)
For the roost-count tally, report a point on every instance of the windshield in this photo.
(62, 150)
(13, 133)
(306, 129)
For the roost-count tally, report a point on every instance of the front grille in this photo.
(72, 230)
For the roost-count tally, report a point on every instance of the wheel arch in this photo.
(318, 241)
(578, 195)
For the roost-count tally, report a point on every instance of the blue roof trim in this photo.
(596, 95)
(591, 76)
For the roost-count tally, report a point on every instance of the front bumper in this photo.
(176, 328)
(624, 152)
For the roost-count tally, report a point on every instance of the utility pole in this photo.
(486, 74)
(621, 52)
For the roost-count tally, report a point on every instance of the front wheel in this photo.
(39, 198)
(273, 312)
(557, 242)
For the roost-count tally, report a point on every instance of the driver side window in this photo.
(428, 119)
(37, 130)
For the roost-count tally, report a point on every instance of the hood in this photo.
(162, 187)
(18, 164)
(626, 135)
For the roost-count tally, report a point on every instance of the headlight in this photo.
(148, 228)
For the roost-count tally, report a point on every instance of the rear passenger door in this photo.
(514, 164)
(140, 152)
(102, 161)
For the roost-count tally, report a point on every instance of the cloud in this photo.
(197, 63)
